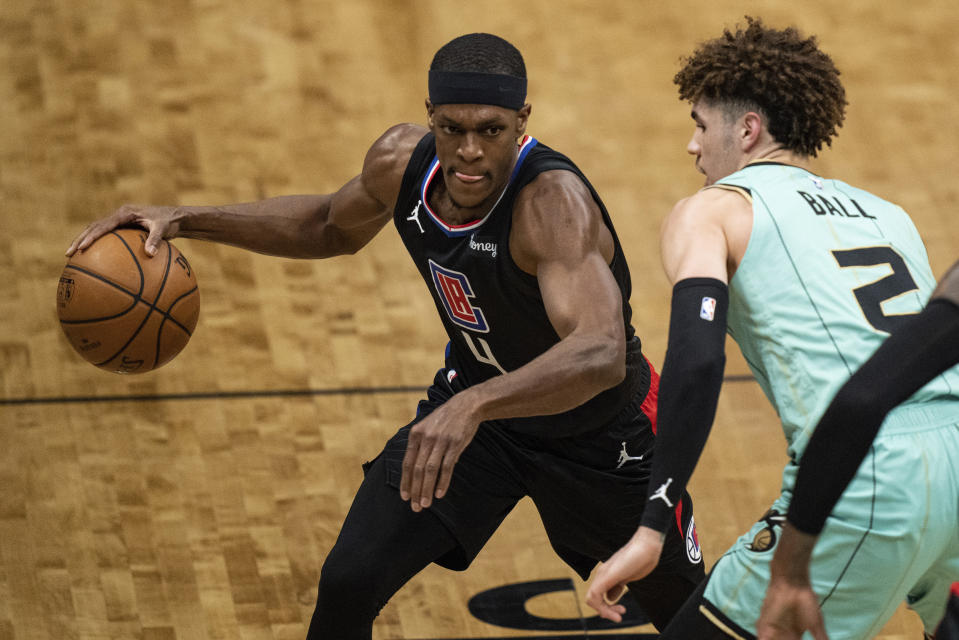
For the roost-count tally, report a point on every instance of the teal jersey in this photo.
(830, 270)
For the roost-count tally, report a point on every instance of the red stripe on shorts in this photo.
(649, 402)
(649, 408)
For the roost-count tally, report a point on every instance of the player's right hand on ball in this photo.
(159, 221)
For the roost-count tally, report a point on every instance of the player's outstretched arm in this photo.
(948, 288)
(696, 240)
(559, 236)
(695, 246)
(297, 226)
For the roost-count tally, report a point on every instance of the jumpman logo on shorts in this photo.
(624, 457)
(415, 216)
(661, 493)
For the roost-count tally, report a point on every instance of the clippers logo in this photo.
(693, 551)
(707, 310)
(455, 292)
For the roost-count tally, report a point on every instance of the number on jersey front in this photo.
(482, 353)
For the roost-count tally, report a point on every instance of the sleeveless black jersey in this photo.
(492, 310)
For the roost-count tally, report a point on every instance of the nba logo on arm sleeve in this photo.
(453, 289)
(707, 309)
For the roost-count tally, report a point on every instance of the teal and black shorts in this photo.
(893, 536)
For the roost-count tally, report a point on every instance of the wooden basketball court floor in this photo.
(199, 501)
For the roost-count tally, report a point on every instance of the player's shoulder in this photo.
(722, 195)
(715, 203)
(387, 158)
(711, 212)
(554, 215)
(554, 202)
(555, 184)
(395, 146)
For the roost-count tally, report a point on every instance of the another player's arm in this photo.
(948, 288)
(297, 226)
(558, 235)
(701, 241)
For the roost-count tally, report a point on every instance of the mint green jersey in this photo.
(830, 270)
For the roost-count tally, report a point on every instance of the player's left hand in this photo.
(788, 610)
(434, 446)
(632, 562)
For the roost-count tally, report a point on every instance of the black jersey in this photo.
(492, 310)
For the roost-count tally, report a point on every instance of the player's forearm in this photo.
(791, 560)
(688, 391)
(290, 226)
(688, 397)
(573, 371)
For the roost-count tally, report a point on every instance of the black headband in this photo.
(470, 87)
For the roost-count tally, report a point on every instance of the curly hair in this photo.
(784, 76)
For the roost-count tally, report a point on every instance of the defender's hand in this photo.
(434, 446)
(632, 562)
(158, 221)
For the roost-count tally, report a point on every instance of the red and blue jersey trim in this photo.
(452, 230)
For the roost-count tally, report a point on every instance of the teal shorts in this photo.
(893, 536)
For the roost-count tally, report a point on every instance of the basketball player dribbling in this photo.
(544, 384)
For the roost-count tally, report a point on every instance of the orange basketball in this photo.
(123, 310)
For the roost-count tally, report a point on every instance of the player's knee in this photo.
(341, 611)
(346, 601)
(341, 581)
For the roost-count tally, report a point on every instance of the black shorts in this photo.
(590, 501)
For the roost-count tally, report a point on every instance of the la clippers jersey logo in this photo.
(455, 291)
(693, 551)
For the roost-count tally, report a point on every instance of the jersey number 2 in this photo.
(871, 296)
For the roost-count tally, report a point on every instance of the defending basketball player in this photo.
(544, 384)
(809, 275)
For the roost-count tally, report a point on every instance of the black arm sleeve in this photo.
(688, 391)
(906, 361)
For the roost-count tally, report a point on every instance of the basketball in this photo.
(124, 311)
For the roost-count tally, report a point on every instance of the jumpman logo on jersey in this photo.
(661, 493)
(415, 216)
(624, 457)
